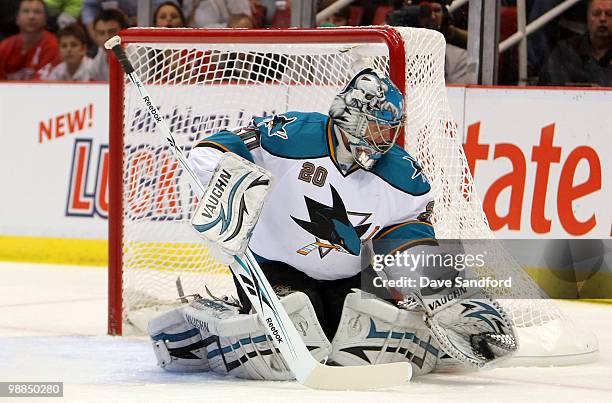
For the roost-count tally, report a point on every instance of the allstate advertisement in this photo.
(539, 158)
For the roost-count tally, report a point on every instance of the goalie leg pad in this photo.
(302, 314)
(237, 344)
(373, 331)
(177, 345)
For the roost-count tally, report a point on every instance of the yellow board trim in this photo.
(87, 252)
(598, 287)
(187, 257)
(95, 253)
(595, 301)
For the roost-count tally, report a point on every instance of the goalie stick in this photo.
(308, 371)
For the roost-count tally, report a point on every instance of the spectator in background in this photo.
(75, 66)
(541, 42)
(214, 13)
(62, 13)
(92, 8)
(431, 15)
(444, 23)
(8, 11)
(235, 65)
(169, 15)
(33, 51)
(585, 59)
(169, 65)
(106, 25)
(455, 60)
(240, 21)
(265, 9)
(443, 20)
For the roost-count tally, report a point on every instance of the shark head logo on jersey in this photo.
(331, 223)
(276, 125)
(369, 111)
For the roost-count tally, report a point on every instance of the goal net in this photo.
(207, 80)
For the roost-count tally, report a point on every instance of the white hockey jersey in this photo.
(317, 218)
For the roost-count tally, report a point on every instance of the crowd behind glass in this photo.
(61, 40)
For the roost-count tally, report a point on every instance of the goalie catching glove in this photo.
(470, 326)
(210, 335)
(467, 323)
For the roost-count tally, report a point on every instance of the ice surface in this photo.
(53, 328)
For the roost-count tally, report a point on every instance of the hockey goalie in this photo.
(342, 192)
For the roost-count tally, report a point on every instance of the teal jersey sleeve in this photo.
(294, 135)
(402, 171)
(400, 237)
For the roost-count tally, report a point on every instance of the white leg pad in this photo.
(210, 335)
(177, 345)
(373, 331)
(305, 320)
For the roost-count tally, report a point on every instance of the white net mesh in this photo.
(201, 88)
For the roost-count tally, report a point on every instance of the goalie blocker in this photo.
(231, 205)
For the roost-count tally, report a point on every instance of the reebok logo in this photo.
(153, 109)
(274, 331)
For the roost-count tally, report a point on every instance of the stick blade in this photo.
(359, 377)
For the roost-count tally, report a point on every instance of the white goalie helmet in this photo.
(370, 113)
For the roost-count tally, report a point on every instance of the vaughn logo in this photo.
(447, 298)
(153, 109)
(214, 201)
(217, 206)
(197, 323)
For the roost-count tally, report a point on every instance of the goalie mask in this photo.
(369, 111)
